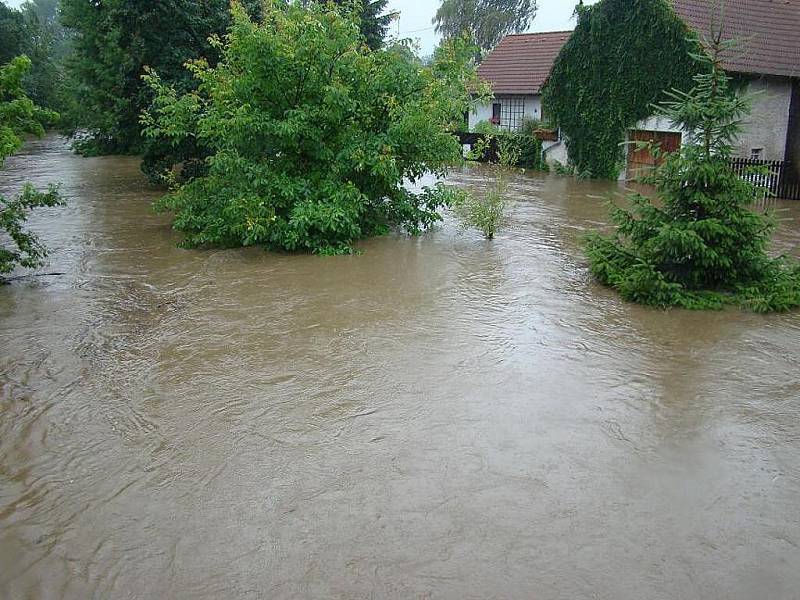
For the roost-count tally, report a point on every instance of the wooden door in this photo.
(641, 160)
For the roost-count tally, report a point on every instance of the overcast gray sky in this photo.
(416, 15)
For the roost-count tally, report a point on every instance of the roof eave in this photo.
(515, 92)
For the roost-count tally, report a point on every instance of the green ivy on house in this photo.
(622, 58)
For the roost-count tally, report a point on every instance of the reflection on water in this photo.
(439, 417)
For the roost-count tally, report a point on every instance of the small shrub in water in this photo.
(561, 169)
(486, 213)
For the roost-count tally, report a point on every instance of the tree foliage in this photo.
(47, 45)
(311, 133)
(20, 116)
(114, 41)
(373, 20)
(13, 34)
(497, 145)
(485, 22)
(34, 31)
(702, 246)
(622, 58)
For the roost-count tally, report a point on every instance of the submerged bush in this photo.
(312, 134)
(525, 149)
(487, 212)
(20, 116)
(702, 246)
(486, 128)
(531, 155)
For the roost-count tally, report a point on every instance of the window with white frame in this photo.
(756, 153)
(512, 109)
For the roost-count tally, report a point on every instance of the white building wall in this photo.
(483, 112)
(533, 107)
(767, 126)
(555, 152)
(657, 124)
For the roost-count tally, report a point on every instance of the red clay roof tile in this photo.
(521, 63)
(767, 32)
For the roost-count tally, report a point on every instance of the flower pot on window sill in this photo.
(547, 135)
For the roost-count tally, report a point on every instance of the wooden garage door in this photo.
(641, 160)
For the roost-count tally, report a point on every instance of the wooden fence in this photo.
(776, 176)
(773, 175)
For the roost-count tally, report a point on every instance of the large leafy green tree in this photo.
(373, 19)
(13, 33)
(312, 134)
(115, 40)
(486, 22)
(20, 116)
(622, 58)
(35, 31)
(45, 22)
(47, 45)
(701, 245)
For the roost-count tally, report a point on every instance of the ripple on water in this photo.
(439, 416)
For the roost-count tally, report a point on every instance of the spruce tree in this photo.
(374, 21)
(700, 245)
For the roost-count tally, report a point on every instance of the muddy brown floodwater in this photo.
(439, 417)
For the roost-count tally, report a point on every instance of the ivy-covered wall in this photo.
(622, 57)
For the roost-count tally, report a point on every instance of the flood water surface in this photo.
(437, 417)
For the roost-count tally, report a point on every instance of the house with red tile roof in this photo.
(767, 59)
(517, 69)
